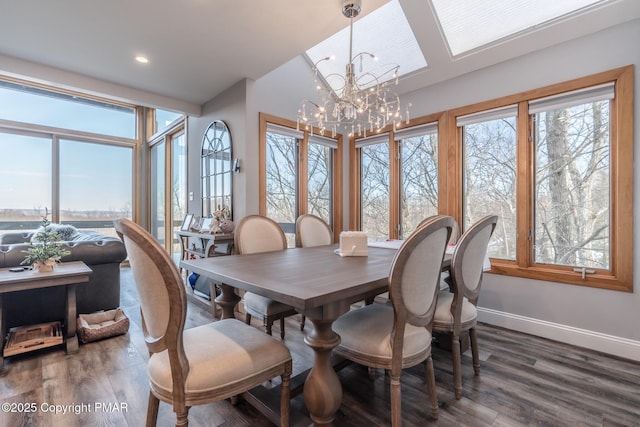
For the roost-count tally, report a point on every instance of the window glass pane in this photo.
(164, 118)
(178, 189)
(489, 180)
(33, 105)
(320, 184)
(26, 181)
(572, 186)
(281, 182)
(95, 184)
(375, 190)
(419, 181)
(158, 191)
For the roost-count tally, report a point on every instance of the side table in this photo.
(67, 274)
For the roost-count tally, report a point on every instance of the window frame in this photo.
(302, 183)
(620, 276)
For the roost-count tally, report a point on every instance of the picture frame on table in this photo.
(206, 224)
(196, 223)
(186, 222)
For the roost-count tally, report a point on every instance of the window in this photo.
(572, 216)
(375, 190)
(399, 178)
(489, 175)
(300, 173)
(76, 158)
(418, 175)
(556, 165)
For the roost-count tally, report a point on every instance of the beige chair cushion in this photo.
(259, 306)
(220, 354)
(367, 331)
(444, 318)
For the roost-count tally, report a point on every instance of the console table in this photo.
(206, 245)
(66, 274)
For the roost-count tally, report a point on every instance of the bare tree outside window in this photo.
(282, 171)
(319, 181)
(572, 186)
(490, 181)
(419, 178)
(375, 190)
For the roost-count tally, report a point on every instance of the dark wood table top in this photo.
(304, 278)
(64, 273)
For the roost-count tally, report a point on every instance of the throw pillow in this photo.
(65, 231)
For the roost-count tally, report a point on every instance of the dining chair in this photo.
(398, 335)
(456, 310)
(256, 234)
(207, 363)
(311, 230)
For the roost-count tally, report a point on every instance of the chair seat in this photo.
(367, 331)
(260, 306)
(247, 352)
(443, 319)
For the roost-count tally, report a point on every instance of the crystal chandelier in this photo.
(362, 103)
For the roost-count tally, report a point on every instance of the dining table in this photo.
(318, 283)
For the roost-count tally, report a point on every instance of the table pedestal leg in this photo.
(322, 389)
(227, 300)
(71, 341)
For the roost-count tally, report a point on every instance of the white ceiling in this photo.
(199, 48)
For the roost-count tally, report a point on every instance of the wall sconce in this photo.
(236, 165)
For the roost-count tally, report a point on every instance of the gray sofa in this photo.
(103, 254)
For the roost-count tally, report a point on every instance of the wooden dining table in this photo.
(319, 284)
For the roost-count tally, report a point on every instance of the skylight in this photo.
(384, 32)
(470, 24)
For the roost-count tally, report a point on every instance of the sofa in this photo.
(103, 254)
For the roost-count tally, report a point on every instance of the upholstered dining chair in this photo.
(199, 365)
(456, 311)
(398, 335)
(311, 230)
(256, 234)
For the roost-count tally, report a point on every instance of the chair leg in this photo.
(182, 417)
(285, 402)
(282, 328)
(152, 410)
(396, 399)
(247, 319)
(303, 319)
(431, 387)
(473, 337)
(457, 371)
(267, 326)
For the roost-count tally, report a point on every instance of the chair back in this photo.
(163, 299)
(414, 278)
(257, 233)
(311, 230)
(455, 231)
(468, 259)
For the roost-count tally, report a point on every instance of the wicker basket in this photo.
(104, 324)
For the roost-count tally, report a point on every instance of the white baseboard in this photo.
(617, 346)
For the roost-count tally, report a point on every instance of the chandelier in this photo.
(362, 103)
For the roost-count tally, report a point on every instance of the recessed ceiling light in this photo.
(142, 59)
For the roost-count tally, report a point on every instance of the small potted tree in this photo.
(46, 250)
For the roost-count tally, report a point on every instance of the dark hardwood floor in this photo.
(524, 381)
